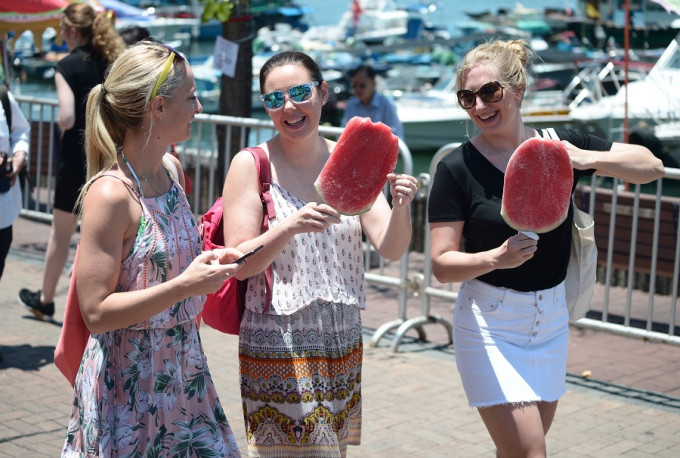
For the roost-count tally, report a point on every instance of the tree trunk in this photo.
(236, 92)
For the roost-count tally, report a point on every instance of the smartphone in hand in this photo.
(248, 254)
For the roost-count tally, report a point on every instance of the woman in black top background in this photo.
(93, 44)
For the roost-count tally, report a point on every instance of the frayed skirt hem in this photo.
(481, 405)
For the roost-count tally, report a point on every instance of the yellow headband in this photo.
(164, 73)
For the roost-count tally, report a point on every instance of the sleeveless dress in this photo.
(145, 390)
(300, 356)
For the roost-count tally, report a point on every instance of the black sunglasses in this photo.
(490, 92)
(298, 94)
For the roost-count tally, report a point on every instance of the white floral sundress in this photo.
(145, 390)
(300, 361)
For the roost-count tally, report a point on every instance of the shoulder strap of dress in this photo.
(117, 178)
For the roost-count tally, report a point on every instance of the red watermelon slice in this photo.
(356, 171)
(537, 186)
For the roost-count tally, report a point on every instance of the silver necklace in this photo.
(134, 175)
(505, 156)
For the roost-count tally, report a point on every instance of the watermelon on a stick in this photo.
(537, 186)
(356, 171)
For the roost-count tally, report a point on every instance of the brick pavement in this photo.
(414, 404)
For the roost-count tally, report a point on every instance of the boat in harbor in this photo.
(264, 14)
(651, 26)
(177, 30)
(650, 101)
(379, 22)
(433, 117)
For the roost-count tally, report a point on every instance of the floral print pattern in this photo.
(146, 390)
(325, 266)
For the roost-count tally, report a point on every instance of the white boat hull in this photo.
(430, 127)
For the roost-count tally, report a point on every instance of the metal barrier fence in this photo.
(661, 251)
(661, 258)
(199, 156)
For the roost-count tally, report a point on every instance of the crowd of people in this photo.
(143, 277)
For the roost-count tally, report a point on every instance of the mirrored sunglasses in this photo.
(490, 92)
(298, 94)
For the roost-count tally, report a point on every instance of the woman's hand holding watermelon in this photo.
(515, 251)
(622, 161)
(403, 189)
(313, 217)
(580, 159)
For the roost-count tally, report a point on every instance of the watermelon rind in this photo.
(355, 173)
(345, 212)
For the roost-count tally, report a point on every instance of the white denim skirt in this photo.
(510, 346)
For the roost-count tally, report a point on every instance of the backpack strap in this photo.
(264, 182)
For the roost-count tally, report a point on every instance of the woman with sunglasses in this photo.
(510, 320)
(143, 387)
(300, 355)
(369, 103)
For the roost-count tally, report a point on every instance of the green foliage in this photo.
(217, 9)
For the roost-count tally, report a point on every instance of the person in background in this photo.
(93, 45)
(143, 387)
(14, 147)
(134, 33)
(510, 322)
(300, 355)
(366, 102)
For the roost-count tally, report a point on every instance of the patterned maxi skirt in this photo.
(301, 381)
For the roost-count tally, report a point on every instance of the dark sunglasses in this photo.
(490, 92)
(298, 94)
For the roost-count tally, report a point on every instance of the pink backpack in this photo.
(223, 309)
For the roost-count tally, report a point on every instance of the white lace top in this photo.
(326, 266)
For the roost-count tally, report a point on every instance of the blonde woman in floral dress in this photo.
(143, 387)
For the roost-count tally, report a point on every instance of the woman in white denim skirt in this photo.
(510, 321)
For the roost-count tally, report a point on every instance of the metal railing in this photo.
(199, 156)
(657, 321)
(647, 326)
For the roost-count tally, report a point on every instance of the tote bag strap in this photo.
(550, 133)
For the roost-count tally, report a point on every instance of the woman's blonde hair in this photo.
(511, 57)
(119, 104)
(94, 27)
